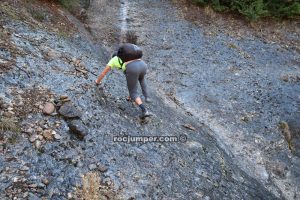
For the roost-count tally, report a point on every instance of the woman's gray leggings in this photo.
(135, 72)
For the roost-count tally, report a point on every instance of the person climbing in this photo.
(129, 59)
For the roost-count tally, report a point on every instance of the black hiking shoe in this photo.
(146, 114)
(148, 100)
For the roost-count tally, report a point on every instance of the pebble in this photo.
(40, 137)
(66, 100)
(60, 179)
(199, 195)
(10, 109)
(38, 144)
(25, 195)
(15, 179)
(29, 130)
(70, 196)
(41, 185)
(52, 54)
(25, 168)
(57, 136)
(11, 112)
(20, 91)
(92, 166)
(48, 108)
(63, 97)
(33, 137)
(7, 114)
(102, 168)
(33, 185)
(45, 181)
(21, 103)
(37, 105)
(39, 129)
(48, 134)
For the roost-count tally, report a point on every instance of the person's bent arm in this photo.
(104, 72)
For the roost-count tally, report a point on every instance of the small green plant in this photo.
(251, 9)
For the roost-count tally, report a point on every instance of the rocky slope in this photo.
(240, 79)
(49, 102)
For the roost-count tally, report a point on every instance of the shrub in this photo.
(216, 4)
(255, 9)
(37, 14)
(69, 4)
(251, 9)
(9, 124)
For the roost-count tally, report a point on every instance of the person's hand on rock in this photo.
(98, 83)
